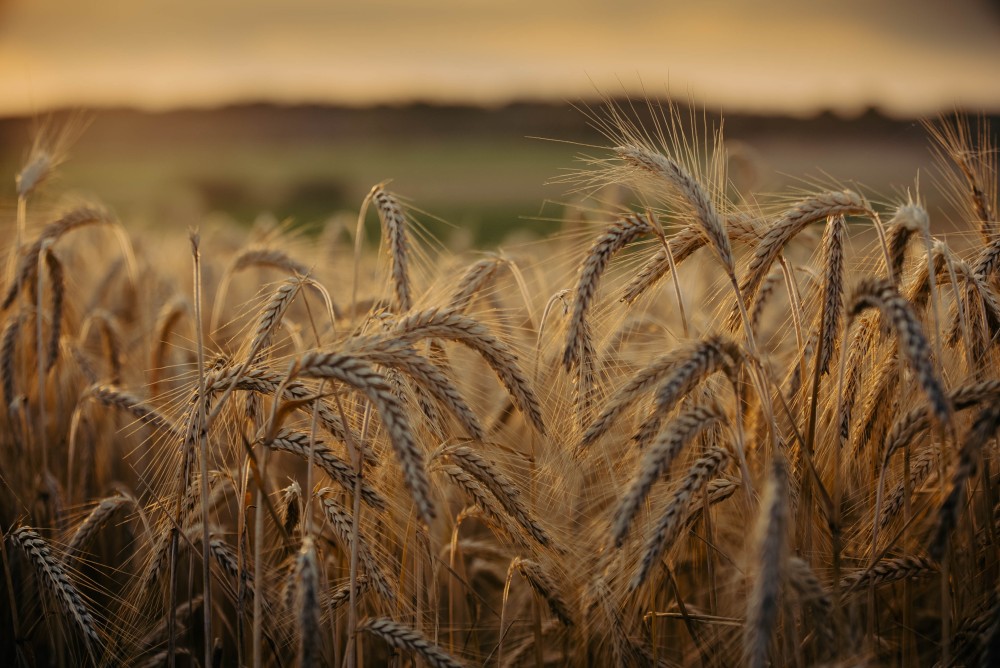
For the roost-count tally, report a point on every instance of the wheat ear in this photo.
(341, 521)
(8, 361)
(359, 374)
(810, 210)
(544, 586)
(265, 381)
(810, 590)
(449, 325)
(270, 318)
(405, 638)
(475, 278)
(505, 491)
(920, 469)
(983, 429)
(882, 294)
(394, 228)
(888, 570)
(681, 246)
(769, 551)
(307, 587)
(918, 420)
(298, 443)
(431, 378)
(291, 508)
(486, 503)
(657, 460)
(673, 517)
(833, 289)
(253, 257)
(89, 527)
(706, 216)
(28, 265)
(614, 238)
(702, 360)
(53, 577)
(57, 281)
(166, 320)
(115, 397)
(675, 371)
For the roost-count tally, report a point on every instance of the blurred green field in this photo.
(478, 173)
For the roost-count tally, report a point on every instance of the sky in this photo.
(906, 57)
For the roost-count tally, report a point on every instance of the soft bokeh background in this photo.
(239, 105)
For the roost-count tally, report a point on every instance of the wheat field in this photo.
(696, 427)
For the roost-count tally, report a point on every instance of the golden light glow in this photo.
(771, 56)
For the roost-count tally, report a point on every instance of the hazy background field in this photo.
(297, 110)
(483, 171)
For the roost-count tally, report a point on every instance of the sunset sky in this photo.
(907, 57)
